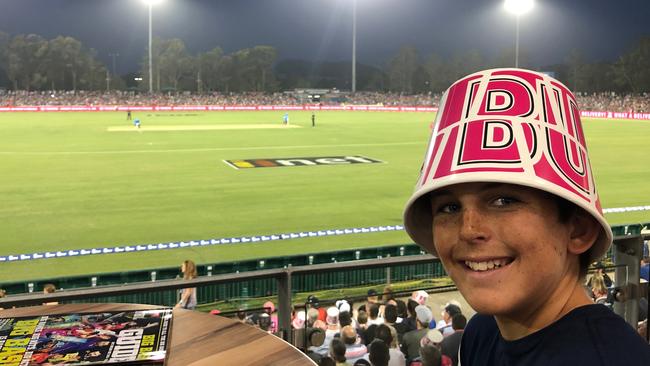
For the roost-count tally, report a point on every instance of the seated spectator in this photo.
(362, 362)
(378, 353)
(401, 310)
(430, 356)
(435, 338)
(3, 293)
(449, 311)
(373, 315)
(410, 321)
(314, 303)
(264, 322)
(315, 339)
(49, 288)
(269, 308)
(345, 319)
(332, 329)
(337, 352)
(362, 325)
(600, 270)
(354, 348)
(326, 361)
(644, 271)
(387, 334)
(372, 298)
(388, 294)
(298, 321)
(598, 288)
(411, 341)
(451, 343)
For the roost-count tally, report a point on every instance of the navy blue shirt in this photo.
(590, 335)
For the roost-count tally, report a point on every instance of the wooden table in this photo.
(197, 338)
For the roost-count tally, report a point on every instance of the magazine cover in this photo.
(86, 338)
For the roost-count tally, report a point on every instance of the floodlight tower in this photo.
(518, 8)
(354, 46)
(151, 3)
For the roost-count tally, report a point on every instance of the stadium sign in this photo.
(282, 162)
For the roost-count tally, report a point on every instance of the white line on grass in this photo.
(203, 149)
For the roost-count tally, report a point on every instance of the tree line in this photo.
(30, 62)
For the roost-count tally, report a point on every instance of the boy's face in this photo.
(503, 246)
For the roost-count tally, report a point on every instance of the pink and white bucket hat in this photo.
(509, 126)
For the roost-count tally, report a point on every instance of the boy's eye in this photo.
(504, 201)
(448, 208)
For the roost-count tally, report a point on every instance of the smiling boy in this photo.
(507, 201)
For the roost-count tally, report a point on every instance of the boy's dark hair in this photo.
(383, 332)
(458, 322)
(326, 361)
(390, 313)
(378, 353)
(337, 348)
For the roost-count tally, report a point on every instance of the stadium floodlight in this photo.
(150, 3)
(518, 8)
(354, 46)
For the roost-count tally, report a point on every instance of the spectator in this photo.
(451, 343)
(337, 352)
(387, 334)
(644, 272)
(600, 270)
(314, 303)
(420, 297)
(372, 298)
(326, 361)
(388, 294)
(411, 340)
(449, 311)
(3, 293)
(345, 319)
(378, 353)
(354, 349)
(410, 321)
(518, 244)
(362, 362)
(401, 310)
(298, 321)
(269, 308)
(598, 289)
(315, 339)
(373, 315)
(435, 338)
(188, 295)
(362, 325)
(430, 356)
(49, 288)
(332, 329)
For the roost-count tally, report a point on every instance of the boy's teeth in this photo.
(485, 266)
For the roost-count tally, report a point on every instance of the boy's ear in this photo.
(584, 232)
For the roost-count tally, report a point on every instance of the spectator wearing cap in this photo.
(411, 340)
(269, 308)
(314, 303)
(333, 328)
(448, 312)
(354, 349)
(434, 338)
(451, 343)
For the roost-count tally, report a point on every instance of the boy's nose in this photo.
(472, 225)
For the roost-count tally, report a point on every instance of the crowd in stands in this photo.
(610, 102)
(383, 330)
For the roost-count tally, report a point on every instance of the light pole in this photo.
(354, 46)
(151, 3)
(518, 8)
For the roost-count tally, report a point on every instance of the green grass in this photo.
(68, 183)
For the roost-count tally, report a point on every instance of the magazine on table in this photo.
(115, 337)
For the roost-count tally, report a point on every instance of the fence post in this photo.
(284, 304)
(627, 256)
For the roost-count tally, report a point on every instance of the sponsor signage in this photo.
(311, 161)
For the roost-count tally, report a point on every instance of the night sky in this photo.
(321, 30)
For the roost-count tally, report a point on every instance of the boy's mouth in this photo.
(488, 265)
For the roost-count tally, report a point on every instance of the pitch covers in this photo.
(128, 337)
